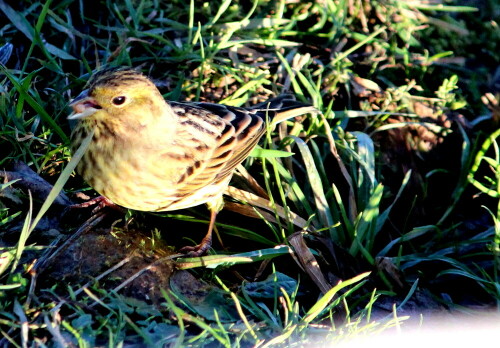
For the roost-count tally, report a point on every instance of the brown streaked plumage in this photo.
(154, 155)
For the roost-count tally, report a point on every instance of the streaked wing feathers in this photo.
(239, 131)
(219, 137)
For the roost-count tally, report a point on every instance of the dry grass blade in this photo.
(241, 171)
(249, 211)
(19, 311)
(54, 329)
(333, 149)
(255, 200)
(308, 261)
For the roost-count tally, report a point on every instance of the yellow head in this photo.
(118, 96)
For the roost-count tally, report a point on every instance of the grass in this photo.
(393, 189)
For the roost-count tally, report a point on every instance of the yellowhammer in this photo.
(150, 154)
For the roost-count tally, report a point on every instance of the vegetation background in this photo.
(394, 189)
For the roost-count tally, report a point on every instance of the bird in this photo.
(150, 154)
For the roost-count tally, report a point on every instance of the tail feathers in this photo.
(276, 109)
(287, 113)
(283, 107)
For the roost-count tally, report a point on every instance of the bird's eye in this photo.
(119, 100)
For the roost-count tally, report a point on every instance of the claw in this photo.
(100, 202)
(206, 243)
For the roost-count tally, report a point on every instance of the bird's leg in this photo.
(214, 206)
(206, 242)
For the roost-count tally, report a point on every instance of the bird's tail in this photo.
(283, 107)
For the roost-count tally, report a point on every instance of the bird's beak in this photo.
(83, 106)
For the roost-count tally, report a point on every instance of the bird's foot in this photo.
(206, 242)
(198, 250)
(100, 202)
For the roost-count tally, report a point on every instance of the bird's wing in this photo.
(248, 128)
(248, 124)
(217, 139)
(220, 137)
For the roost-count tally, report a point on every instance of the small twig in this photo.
(144, 269)
(34, 274)
(99, 277)
(103, 274)
(87, 226)
(134, 276)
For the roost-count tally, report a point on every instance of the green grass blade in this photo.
(365, 229)
(35, 105)
(213, 261)
(320, 306)
(385, 214)
(366, 153)
(223, 7)
(316, 185)
(65, 174)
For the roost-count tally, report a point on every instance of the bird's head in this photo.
(118, 95)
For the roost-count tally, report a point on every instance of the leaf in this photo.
(81, 322)
(5, 52)
(203, 298)
(366, 152)
(25, 27)
(6, 258)
(213, 261)
(264, 42)
(323, 303)
(385, 214)
(316, 184)
(223, 7)
(415, 233)
(58, 52)
(34, 104)
(160, 332)
(268, 287)
(365, 229)
(17, 20)
(267, 153)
